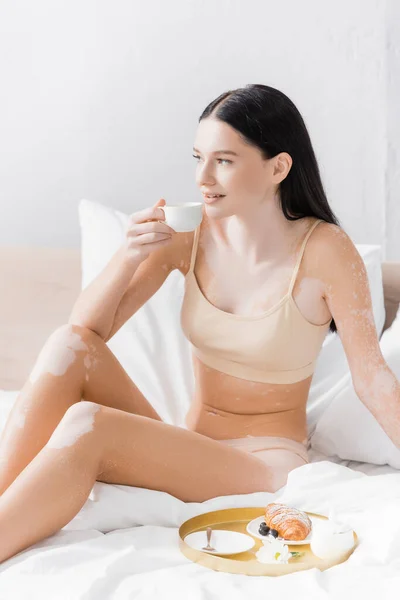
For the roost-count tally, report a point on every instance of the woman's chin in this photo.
(214, 212)
(218, 211)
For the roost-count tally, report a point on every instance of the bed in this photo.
(123, 543)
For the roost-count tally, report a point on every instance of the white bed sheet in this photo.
(123, 544)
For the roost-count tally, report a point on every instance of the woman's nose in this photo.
(204, 176)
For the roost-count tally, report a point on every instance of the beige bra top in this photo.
(278, 346)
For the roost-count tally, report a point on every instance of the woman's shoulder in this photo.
(329, 246)
(330, 237)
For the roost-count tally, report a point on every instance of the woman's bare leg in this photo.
(74, 363)
(94, 442)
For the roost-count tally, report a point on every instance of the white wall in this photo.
(101, 99)
(392, 229)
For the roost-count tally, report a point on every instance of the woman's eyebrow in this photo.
(220, 152)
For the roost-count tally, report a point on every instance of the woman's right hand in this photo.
(145, 233)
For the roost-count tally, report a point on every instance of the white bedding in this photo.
(123, 544)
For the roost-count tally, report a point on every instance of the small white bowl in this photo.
(225, 542)
(328, 544)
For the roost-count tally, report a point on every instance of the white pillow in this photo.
(336, 434)
(152, 348)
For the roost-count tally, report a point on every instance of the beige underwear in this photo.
(263, 447)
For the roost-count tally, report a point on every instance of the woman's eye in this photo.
(219, 159)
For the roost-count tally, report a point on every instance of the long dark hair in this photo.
(265, 117)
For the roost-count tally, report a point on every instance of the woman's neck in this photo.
(262, 236)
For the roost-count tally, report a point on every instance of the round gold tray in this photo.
(246, 563)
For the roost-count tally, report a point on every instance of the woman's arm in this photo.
(391, 291)
(348, 297)
(96, 305)
(121, 289)
(134, 273)
(146, 280)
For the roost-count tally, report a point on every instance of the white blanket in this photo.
(123, 544)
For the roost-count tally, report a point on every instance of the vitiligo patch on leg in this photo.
(20, 416)
(56, 358)
(90, 361)
(74, 427)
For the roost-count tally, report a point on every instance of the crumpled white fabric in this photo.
(124, 544)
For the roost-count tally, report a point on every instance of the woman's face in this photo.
(245, 178)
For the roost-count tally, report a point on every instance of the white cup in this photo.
(183, 217)
(329, 542)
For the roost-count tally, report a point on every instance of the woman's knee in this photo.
(80, 423)
(67, 346)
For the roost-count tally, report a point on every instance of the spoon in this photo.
(208, 547)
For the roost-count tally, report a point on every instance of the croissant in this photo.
(290, 523)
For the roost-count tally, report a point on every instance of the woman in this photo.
(267, 274)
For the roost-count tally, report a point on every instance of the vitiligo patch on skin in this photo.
(56, 358)
(20, 417)
(91, 361)
(70, 430)
(365, 314)
(378, 388)
(381, 394)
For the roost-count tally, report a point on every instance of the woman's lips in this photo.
(208, 200)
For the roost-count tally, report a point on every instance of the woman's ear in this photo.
(282, 166)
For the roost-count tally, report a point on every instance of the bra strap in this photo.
(194, 248)
(303, 246)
